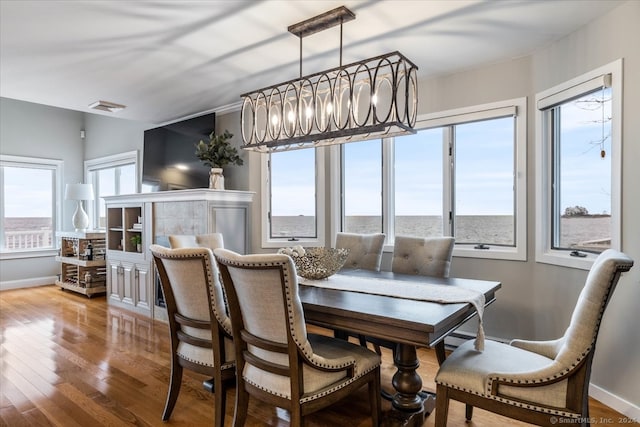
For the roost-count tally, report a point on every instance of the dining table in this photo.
(410, 323)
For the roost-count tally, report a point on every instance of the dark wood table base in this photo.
(411, 404)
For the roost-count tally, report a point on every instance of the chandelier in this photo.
(369, 99)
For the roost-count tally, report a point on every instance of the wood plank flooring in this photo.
(66, 360)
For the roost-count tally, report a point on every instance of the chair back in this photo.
(266, 313)
(211, 241)
(195, 303)
(422, 256)
(365, 250)
(580, 337)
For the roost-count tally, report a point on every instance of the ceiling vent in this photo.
(110, 107)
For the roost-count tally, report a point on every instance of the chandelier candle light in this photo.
(79, 192)
(373, 98)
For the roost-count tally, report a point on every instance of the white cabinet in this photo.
(129, 285)
(152, 217)
(128, 278)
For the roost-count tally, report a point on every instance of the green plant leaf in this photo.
(218, 152)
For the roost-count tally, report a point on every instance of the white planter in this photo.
(216, 179)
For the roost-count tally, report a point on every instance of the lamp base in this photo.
(80, 218)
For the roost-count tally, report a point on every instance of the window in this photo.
(579, 167)
(30, 205)
(418, 196)
(362, 187)
(484, 182)
(463, 174)
(110, 176)
(293, 192)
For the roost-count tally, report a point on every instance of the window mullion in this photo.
(448, 170)
(388, 199)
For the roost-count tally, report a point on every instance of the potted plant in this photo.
(217, 153)
(136, 240)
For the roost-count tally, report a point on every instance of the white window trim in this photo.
(34, 162)
(544, 253)
(518, 107)
(112, 161)
(268, 242)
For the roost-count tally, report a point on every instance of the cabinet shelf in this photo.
(120, 226)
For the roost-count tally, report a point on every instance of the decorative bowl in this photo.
(319, 263)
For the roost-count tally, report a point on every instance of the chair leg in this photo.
(363, 340)
(468, 412)
(297, 420)
(374, 399)
(442, 406)
(242, 404)
(220, 400)
(174, 389)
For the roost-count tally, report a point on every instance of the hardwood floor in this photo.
(66, 360)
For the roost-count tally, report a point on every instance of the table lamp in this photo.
(79, 192)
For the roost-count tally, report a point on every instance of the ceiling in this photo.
(171, 59)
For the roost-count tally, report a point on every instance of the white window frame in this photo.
(38, 163)
(107, 162)
(269, 242)
(518, 108)
(565, 91)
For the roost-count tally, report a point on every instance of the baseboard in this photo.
(27, 283)
(618, 404)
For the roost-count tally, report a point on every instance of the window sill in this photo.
(285, 243)
(34, 253)
(494, 252)
(563, 259)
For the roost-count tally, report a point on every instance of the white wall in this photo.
(34, 130)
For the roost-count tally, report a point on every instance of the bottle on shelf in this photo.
(89, 251)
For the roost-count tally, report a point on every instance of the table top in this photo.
(420, 323)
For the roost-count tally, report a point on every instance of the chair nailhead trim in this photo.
(313, 396)
(296, 339)
(514, 403)
(226, 365)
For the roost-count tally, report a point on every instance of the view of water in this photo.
(580, 232)
(498, 230)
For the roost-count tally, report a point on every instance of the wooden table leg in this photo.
(408, 404)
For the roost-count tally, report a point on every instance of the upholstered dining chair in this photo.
(429, 256)
(539, 382)
(211, 241)
(199, 327)
(277, 361)
(365, 250)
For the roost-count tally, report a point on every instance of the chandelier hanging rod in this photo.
(324, 21)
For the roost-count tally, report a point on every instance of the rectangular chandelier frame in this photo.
(368, 99)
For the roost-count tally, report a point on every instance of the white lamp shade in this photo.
(79, 192)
